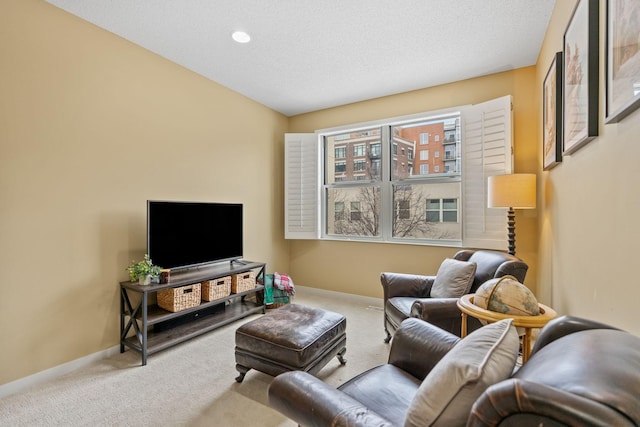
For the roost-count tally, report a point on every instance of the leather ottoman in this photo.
(291, 338)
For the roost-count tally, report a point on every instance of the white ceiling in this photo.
(307, 55)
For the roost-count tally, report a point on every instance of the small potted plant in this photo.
(144, 271)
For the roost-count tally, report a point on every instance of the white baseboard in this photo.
(376, 302)
(57, 371)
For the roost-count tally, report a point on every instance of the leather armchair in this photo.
(409, 295)
(581, 373)
(377, 397)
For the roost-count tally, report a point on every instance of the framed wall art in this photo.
(623, 59)
(552, 114)
(580, 77)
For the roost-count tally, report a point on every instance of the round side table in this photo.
(468, 308)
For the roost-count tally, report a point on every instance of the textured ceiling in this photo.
(307, 55)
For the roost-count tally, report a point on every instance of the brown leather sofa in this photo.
(581, 373)
(409, 295)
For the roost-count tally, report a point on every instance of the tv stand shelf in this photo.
(148, 329)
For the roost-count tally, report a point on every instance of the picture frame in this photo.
(552, 114)
(622, 55)
(580, 85)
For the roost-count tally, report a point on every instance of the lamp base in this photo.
(511, 231)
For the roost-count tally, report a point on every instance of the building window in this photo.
(341, 152)
(442, 210)
(424, 169)
(355, 214)
(424, 138)
(375, 150)
(359, 150)
(449, 210)
(341, 167)
(359, 165)
(338, 211)
(424, 154)
(433, 210)
(403, 209)
(375, 168)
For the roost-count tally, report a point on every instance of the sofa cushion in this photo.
(484, 357)
(454, 279)
(398, 309)
(385, 386)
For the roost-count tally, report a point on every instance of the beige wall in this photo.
(354, 266)
(91, 126)
(589, 210)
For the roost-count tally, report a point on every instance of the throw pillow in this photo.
(454, 279)
(485, 357)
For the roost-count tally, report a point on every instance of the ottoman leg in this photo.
(340, 356)
(243, 371)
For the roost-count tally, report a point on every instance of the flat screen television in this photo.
(187, 234)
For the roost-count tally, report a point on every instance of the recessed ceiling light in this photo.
(241, 37)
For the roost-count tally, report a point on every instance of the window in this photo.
(375, 168)
(433, 210)
(359, 150)
(403, 209)
(341, 152)
(383, 196)
(355, 211)
(449, 210)
(338, 211)
(424, 154)
(442, 210)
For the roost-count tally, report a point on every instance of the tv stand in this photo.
(147, 328)
(238, 261)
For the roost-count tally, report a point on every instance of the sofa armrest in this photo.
(565, 325)
(443, 313)
(517, 269)
(522, 403)
(405, 285)
(434, 309)
(310, 402)
(418, 346)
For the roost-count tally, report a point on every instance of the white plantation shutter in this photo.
(487, 145)
(301, 186)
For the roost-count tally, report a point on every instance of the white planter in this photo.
(144, 280)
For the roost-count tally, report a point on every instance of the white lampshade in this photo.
(517, 191)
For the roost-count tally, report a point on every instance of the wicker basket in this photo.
(216, 289)
(178, 299)
(243, 282)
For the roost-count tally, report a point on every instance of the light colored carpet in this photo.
(192, 384)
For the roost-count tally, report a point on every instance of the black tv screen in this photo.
(185, 234)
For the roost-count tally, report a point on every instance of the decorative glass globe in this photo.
(508, 296)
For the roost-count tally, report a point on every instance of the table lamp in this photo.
(514, 191)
